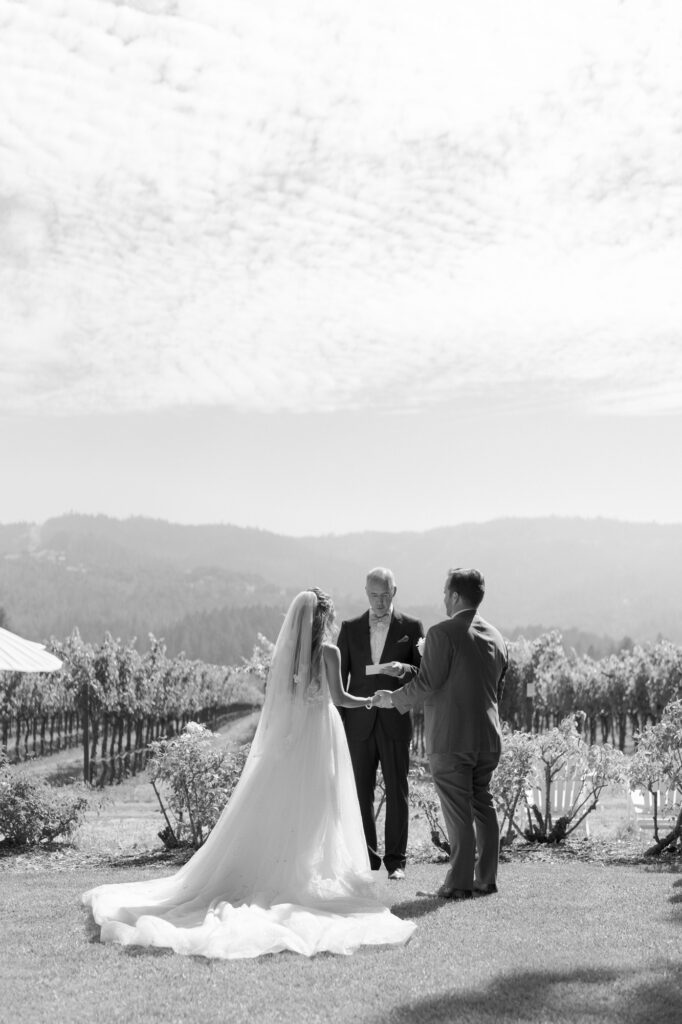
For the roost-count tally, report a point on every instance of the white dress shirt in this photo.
(378, 630)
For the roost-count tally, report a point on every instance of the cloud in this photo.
(309, 207)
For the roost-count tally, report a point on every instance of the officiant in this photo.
(379, 651)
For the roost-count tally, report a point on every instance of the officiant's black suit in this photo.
(380, 736)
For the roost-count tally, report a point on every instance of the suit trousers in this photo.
(394, 756)
(462, 782)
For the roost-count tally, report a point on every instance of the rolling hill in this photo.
(210, 589)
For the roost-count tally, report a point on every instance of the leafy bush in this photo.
(424, 799)
(528, 764)
(563, 753)
(196, 779)
(657, 763)
(512, 779)
(258, 664)
(32, 811)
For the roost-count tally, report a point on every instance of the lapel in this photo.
(393, 635)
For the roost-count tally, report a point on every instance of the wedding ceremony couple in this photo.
(291, 861)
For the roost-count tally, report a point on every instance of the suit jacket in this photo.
(401, 645)
(460, 683)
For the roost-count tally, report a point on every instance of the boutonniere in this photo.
(420, 645)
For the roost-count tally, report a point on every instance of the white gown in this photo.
(285, 867)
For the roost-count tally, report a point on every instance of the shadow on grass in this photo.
(419, 907)
(91, 928)
(148, 858)
(148, 951)
(35, 850)
(583, 994)
(676, 903)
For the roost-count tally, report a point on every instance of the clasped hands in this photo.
(384, 698)
(381, 699)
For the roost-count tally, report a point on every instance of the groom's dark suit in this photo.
(380, 736)
(460, 682)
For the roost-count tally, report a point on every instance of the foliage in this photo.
(513, 777)
(562, 754)
(625, 690)
(532, 764)
(196, 779)
(127, 699)
(32, 811)
(423, 798)
(657, 764)
(258, 664)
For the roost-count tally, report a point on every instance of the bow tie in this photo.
(376, 619)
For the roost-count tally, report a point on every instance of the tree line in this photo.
(114, 700)
(619, 694)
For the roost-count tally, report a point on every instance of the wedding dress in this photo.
(286, 865)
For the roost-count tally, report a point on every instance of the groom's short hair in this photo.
(468, 583)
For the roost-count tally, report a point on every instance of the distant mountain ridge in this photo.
(139, 575)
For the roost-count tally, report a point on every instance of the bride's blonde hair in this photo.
(323, 622)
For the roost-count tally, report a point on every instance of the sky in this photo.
(326, 267)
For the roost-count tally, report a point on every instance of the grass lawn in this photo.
(565, 940)
(586, 933)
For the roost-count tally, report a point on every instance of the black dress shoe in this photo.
(461, 894)
(447, 894)
(485, 890)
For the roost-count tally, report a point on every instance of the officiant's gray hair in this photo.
(381, 575)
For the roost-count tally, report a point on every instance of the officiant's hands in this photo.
(382, 699)
(392, 668)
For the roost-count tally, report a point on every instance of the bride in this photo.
(286, 865)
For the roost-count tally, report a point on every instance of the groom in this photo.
(379, 648)
(460, 683)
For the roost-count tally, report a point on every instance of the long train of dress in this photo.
(285, 867)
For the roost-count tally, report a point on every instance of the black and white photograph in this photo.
(340, 511)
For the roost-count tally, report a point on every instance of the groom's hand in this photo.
(382, 699)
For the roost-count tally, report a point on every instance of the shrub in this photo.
(560, 753)
(196, 779)
(32, 811)
(657, 763)
(529, 763)
(513, 777)
(424, 799)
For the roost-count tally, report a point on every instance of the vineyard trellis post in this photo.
(530, 697)
(86, 730)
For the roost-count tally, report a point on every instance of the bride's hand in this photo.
(382, 699)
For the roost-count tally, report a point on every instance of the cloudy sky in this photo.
(325, 266)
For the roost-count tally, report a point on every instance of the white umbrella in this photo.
(19, 655)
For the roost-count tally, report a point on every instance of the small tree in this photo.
(197, 780)
(423, 798)
(561, 751)
(261, 658)
(512, 778)
(657, 762)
